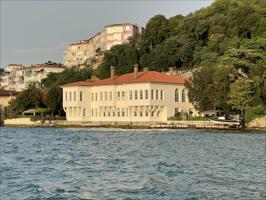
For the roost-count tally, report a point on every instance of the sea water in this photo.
(85, 163)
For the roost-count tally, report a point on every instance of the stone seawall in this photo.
(258, 123)
(19, 122)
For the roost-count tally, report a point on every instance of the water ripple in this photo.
(79, 163)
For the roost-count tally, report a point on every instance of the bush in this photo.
(254, 112)
(35, 118)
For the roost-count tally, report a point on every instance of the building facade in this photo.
(19, 79)
(6, 96)
(78, 53)
(147, 96)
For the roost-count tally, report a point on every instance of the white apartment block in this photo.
(146, 96)
(19, 78)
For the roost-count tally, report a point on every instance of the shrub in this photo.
(254, 112)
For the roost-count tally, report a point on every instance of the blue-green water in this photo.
(131, 164)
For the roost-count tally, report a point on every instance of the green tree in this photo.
(241, 94)
(156, 31)
(27, 99)
(200, 89)
(53, 99)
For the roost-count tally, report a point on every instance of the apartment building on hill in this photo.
(115, 34)
(19, 78)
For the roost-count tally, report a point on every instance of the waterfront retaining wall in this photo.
(19, 122)
(258, 123)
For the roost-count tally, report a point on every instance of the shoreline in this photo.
(198, 125)
(263, 130)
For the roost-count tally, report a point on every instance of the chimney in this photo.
(171, 70)
(112, 72)
(136, 69)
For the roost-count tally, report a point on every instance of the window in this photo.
(118, 95)
(146, 94)
(96, 96)
(161, 94)
(136, 94)
(84, 112)
(140, 113)
(123, 112)
(152, 94)
(70, 96)
(147, 114)
(157, 94)
(101, 96)
(141, 94)
(65, 96)
(110, 96)
(135, 113)
(80, 95)
(118, 112)
(105, 96)
(130, 95)
(123, 95)
(176, 95)
(183, 95)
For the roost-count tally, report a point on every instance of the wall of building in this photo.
(114, 102)
(4, 100)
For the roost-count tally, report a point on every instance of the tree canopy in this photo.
(225, 43)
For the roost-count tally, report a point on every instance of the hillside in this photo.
(225, 41)
(200, 38)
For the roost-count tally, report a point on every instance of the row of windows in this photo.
(121, 112)
(122, 95)
(183, 95)
(68, 96)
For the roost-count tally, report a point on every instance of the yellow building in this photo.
(146, 96)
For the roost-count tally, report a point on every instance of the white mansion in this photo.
(135, 97)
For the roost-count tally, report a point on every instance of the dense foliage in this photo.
(225, 43)
(48, 94)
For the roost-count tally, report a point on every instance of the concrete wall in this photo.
(19, 122)
(259, 123)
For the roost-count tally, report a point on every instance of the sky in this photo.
(37, 31)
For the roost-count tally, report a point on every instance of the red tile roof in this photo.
(143, 77)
